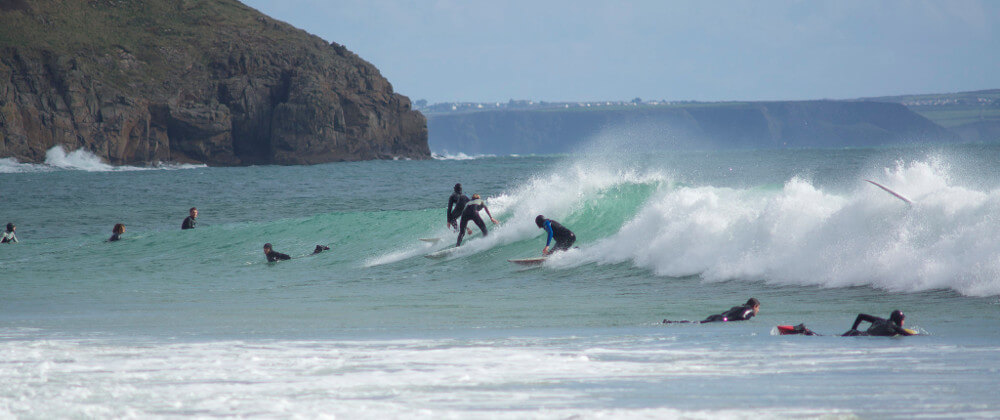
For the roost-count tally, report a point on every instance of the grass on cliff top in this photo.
(165, 36)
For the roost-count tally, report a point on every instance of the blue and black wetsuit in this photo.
(564, 237)
(456, 205)
(471, 212)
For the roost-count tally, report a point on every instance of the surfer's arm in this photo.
(451, 205)
(548, 228)
(861, 318)
(491, 216)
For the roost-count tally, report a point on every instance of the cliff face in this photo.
(213, 81)
(699, 126)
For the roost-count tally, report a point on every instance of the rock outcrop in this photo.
(210, 81)
(748, 125)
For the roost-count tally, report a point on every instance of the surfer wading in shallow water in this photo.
(736, 313)
(564, 237)
(471, 212)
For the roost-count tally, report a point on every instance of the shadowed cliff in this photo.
(213, 81)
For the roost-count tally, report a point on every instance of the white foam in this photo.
(802, 235)
(457, 156)
(13, 166)
(83, 160)
(559, 377)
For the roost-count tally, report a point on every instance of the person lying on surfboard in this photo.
(736, 313)
(471, 212)
(564, 237)
(880, 326)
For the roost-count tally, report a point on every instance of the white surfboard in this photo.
(431, 240)
(436, 255)
(529, 261)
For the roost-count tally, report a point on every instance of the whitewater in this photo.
(170, 323)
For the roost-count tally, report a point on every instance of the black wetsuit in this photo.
(188, 223)
(456, 205)
(114, 237)
(471, 212)
(736, 313)
(880, 327)
(273, 256)
(564, 237)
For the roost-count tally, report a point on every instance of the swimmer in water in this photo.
(8, 235)
(190, 221)
(116, 232)
(273, 255)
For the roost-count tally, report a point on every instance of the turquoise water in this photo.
(175, 323)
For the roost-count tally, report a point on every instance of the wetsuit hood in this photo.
(897, 317)
(458, 188)
(10, 227)
(540, 220)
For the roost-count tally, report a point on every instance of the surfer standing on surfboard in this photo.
(471, 212)
(564, 237)
(456, 205)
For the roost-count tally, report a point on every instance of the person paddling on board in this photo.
(471, 212)
(564, 237)
(456, 205)
(736, 313)
(273, 255)
(880, 326)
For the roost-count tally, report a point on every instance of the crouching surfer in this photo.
(736, 313)
(471, 212)
(564, 237)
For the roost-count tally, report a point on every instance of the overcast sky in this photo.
(574, 50)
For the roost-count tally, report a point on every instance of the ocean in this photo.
(168, 323)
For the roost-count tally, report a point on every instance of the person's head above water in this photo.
(897, 317)
(11, 227)
(118, 229)
(539, 220)
(458, 188)
(475, 196)
(267, 247)
(755, 304)
(193, 212)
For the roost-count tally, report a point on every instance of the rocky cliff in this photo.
(750, 125)
(213, 81)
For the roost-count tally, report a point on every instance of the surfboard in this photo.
(790, 329)
(529, 261)
(895, 194)
(431, 240)
(442, 253)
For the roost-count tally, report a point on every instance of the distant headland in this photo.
(216, 82)
(525, 126)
